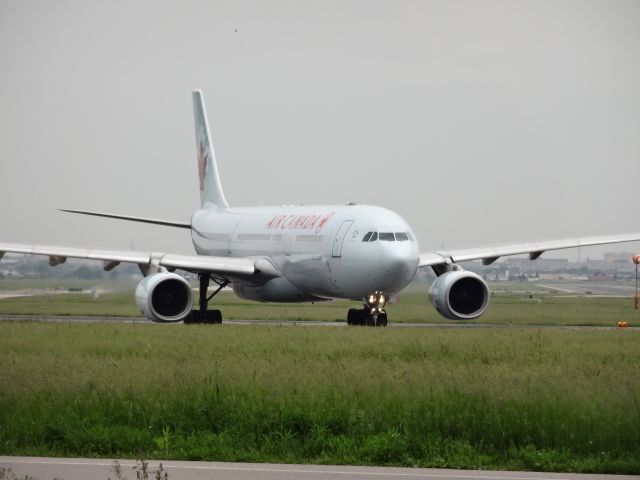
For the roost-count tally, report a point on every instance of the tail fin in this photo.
(211, 193)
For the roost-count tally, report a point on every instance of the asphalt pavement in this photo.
(83, 468)
(304, 323)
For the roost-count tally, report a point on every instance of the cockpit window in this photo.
(387, 237)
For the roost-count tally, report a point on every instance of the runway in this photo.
(82, 468)
(289, 323)
(594, 289)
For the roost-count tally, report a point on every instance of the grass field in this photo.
(535, 399)
(505, 308)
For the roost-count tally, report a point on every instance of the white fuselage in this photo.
(318, 250)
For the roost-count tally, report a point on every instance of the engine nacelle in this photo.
(164, 297)
(459, 295)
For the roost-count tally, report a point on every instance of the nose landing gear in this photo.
(373, 314)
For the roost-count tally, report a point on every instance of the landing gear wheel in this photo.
(210, 317)
(364, 317)
(193, 317)
(373, 313)
(204, 315)
(369, 320)
(352, 317)
(214, 316)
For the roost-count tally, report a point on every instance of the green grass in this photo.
(62, 284)
(412, 306)
(547, 399)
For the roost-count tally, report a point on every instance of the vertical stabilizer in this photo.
(211, 193)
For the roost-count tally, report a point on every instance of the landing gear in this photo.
(211, 316)
(204, 315)
(373, 313)
(364, 317)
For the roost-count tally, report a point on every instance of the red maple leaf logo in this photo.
(202, 165)
(324, 221)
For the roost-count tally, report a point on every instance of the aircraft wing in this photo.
(155, 221)
(488, 255)
(226, 267)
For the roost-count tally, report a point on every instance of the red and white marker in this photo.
(636, 260)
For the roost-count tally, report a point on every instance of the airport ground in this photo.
(542, 399)
(42, 468)
(511, 303)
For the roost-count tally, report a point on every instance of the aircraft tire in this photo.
(214, 316)
(363, 317)
(193, 317)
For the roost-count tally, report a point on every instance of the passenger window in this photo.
(401, 237)
(374, 237)
(387, 236)
(367, 237)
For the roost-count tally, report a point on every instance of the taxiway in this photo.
(83, 468)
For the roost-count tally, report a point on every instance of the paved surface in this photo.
(70, 318)
(29, 293)
(596, 289)
(306, 323)
(82, 468)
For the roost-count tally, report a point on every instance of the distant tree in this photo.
(87, 273)
(42, 270)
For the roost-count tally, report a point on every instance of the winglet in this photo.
(211, 193)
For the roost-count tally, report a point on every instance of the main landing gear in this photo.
(204, 315)
(373, 314)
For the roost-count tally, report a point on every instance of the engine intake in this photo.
(459, 295)
(164, 297)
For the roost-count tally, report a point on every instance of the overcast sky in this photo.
(480, 122)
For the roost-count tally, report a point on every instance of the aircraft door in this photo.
(337, 242)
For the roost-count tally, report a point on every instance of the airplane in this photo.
(296, 254)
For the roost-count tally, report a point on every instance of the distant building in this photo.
(618, 257)
(540, 265)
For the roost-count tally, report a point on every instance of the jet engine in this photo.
(164, 297)
(459, 295)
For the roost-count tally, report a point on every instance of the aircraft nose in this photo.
(399, 263)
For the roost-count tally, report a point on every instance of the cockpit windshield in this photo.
(387, 237)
